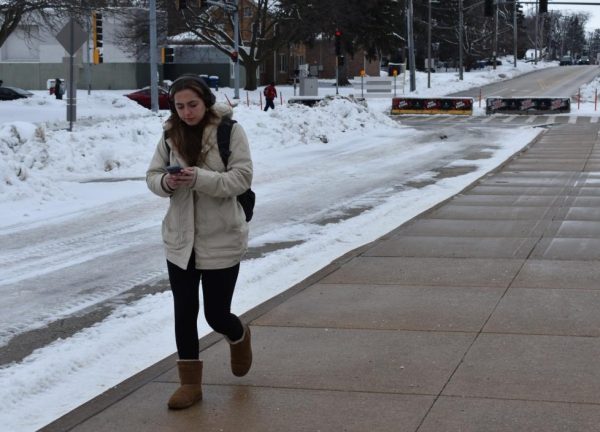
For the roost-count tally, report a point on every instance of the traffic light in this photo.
(183, 4)
(97, 37)
(234, 56)
(341, 60)
(543, 6)
(97, 56)
(489, 8)
(167, 55)
(338, 42)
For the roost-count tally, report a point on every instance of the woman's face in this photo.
(189, 106)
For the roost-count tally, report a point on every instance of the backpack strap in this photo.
(166, 143)
(224, 137)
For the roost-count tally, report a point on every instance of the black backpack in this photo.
(248, 198)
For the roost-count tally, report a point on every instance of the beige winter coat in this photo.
(206, 217)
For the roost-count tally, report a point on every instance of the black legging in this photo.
(217, 292)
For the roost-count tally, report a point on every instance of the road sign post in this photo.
(71, 37)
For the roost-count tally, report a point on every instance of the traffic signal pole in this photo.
(88, 60)
(411, 48)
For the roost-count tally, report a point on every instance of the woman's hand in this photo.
(184, 178)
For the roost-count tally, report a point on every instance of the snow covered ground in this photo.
(311, 165)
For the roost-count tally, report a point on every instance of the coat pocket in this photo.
(173, 230)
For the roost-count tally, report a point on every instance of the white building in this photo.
(31, 55)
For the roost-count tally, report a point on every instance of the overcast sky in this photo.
(593, 23)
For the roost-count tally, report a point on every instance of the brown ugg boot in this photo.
(190, 392)
(241, 354)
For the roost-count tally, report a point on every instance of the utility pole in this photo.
(411, 47)
(537, 13)
(236, 46)
(541, 37)
(429, 47)
(495, 53)
(515, 30)
(153, 66)
(460, 39)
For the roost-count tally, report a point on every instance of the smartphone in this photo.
(174, 169)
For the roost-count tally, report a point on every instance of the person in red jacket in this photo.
(270, 93)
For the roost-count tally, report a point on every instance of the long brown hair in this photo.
(187, 140)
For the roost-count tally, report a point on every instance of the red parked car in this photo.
(142, 97)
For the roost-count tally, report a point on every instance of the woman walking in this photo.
(205, 232)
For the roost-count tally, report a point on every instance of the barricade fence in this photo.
(527, 105)
(444, 105)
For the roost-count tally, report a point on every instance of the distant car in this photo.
(585, 60)
(143, 97)
(12, 93)
(490, 62)
(565, 61)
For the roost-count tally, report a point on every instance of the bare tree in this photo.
(270, 29)
(50, 14)
(13, 12)
(134, 36)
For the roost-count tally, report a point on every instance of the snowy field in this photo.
(302, 157)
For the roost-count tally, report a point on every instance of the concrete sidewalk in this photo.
(479, 315)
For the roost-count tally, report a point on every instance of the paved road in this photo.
(67, 274)
(557, 81)
(497, 120)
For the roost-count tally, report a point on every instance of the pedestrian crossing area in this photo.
(499, 120)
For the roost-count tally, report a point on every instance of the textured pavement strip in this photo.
(478, 315)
